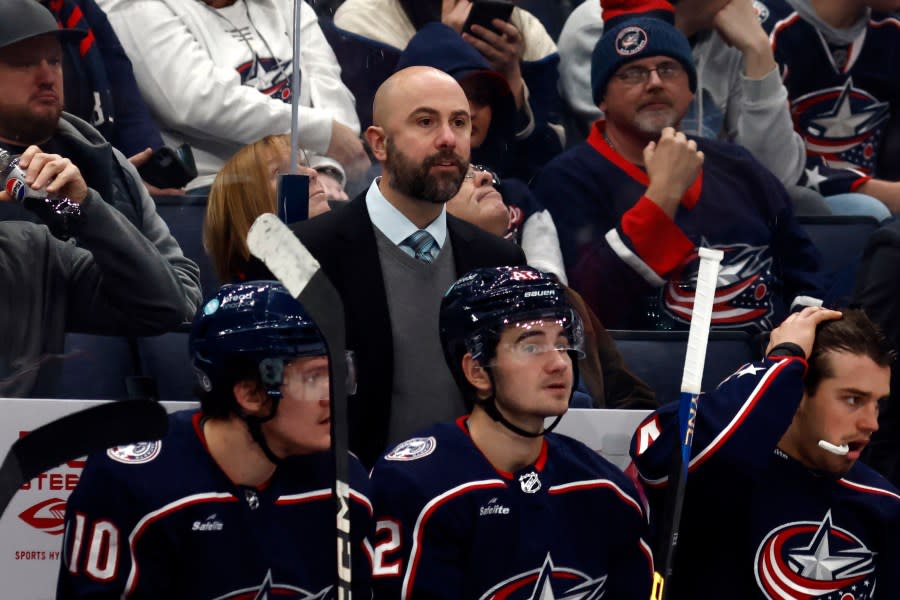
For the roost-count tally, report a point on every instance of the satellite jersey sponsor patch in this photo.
(413, 449)
(135, 454)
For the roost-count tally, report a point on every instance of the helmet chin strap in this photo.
(254, 425)
(489, 405)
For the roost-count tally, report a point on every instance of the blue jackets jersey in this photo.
(451, 526)
(161, 520)
(757, 523)
(841, 96)
(637, 268)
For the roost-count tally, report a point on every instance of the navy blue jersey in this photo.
(161, 520)
(637, 268)
(841, 96)
(756, 522)
(451, 526)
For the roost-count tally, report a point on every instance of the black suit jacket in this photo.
(343, 241)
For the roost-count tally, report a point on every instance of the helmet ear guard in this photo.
(249, 331)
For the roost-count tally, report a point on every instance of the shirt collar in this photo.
(394, 224)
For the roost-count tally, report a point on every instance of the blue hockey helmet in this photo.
(249, 329)
(476, 308)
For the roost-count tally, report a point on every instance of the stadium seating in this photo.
(184, 215)
(841, 240)
(657, 357)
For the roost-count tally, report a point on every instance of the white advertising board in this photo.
(31, 528)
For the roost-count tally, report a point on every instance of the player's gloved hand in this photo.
(800, 328)
(673, 163)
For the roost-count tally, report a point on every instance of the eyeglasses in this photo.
(475, 169)
(641, 75)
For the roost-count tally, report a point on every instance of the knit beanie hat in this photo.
(635, 30)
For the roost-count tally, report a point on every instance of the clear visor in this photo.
(309, 379)
(535, 340)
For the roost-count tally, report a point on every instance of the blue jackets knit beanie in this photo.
(633, 39)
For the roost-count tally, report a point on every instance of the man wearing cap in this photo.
(634, 201)
(63, 155)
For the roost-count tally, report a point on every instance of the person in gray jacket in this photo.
(117, 283)
(31, 101)
(33, 124)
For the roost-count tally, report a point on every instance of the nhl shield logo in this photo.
(135, 454)
(630, 41)
(530, 482)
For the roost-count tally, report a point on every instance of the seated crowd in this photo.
(486, 210)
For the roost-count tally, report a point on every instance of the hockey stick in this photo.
(67, 438)
(287, 258)
(691, 381)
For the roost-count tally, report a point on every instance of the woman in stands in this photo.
(244, 189)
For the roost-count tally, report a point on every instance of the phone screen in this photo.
(483, 12)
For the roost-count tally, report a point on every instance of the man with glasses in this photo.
(495, 505)
(634, 201)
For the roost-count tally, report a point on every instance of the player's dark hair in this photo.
(854, 333)
(220, 403)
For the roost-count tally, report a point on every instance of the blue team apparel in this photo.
(451, 526)
(160, 520)
(756, 522)
(842, 96)
(637, 268)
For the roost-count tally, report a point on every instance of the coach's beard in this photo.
(418, 181)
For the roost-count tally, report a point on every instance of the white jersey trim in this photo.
(575, 486)
(406, 590)
(632, 260)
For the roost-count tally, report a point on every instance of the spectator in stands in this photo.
(739, 96)
(632, 204)
(482, 200)
(244, 189)
(31, 86)
(391, 291)
(839, 60)
(878, 292)
(217, 74)
(116, 283)
(505, 138)
(99, 83)
(522, 52)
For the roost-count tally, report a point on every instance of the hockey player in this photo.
(494, 505)
(776, 504)
(235, 501)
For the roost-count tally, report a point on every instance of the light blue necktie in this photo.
(422, 245)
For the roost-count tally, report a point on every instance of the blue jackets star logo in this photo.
(843, 125)
(270, 590)
(809, 559)
(549, 583)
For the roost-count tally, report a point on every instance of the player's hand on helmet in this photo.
(673, 163)
(800, 328)
(53, 174)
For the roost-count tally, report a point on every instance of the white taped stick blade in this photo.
(701, 316)
(272, 242)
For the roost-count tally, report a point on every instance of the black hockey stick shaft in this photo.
(84, 432)
(694, 360)
(287, 258)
